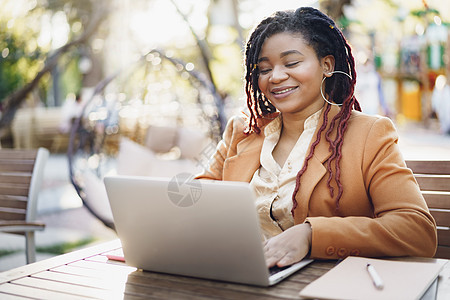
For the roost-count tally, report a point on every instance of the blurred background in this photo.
(144, 87)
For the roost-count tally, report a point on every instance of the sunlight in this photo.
(60, 29)
(161, 24)
(258, 9)
(151, 26)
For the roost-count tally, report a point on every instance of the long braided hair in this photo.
(319, 32)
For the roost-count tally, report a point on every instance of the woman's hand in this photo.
(289, 247)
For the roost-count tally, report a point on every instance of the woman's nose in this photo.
(278, 74)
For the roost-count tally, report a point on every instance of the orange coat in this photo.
(382, 212)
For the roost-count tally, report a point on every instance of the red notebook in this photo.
(116, 255)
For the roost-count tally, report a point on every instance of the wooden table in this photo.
(87, 273)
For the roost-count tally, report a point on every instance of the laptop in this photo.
(199, 228)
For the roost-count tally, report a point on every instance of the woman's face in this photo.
(290, 74)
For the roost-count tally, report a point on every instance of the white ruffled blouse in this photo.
(274, 185)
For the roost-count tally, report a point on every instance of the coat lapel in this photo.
(243, 165)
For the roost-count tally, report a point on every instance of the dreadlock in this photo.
(321, 33)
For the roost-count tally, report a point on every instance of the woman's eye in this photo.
(264, 71)
(292, 64)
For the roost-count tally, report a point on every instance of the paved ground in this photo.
(68, 221)
(417, 142)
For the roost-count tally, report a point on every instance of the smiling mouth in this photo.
(284, 91)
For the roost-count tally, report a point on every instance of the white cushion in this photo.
(135, 159)
(191, 142)
(161, 139)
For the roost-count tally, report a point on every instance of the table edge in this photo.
(59, 260)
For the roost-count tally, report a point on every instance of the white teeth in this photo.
(284, 91)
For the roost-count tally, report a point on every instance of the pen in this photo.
(376, 279)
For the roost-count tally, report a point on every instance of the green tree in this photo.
(25, 70)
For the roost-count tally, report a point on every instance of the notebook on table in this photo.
(401, 279)
(199, 228)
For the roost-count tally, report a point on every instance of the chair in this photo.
(434, 181)
(21, 174)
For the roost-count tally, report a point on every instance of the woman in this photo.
(329, 180)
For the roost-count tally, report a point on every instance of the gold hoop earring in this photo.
(321, 91)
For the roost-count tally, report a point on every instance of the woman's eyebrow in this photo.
(263, 59)
(283, 54)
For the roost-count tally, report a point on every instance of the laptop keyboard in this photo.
(276, 269)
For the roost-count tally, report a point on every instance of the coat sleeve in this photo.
(225, 148)
(401, 224)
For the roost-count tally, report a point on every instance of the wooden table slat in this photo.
(197, 286)
(35, 292)
(98, 274)
(100, 283)
(192, 292)
(58, 261)
(102, 259)
(148, 293)
(101, 266)
(4, 296)
(115, 291)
